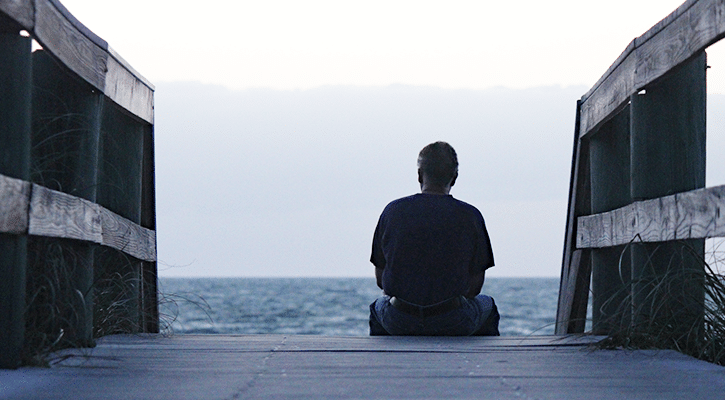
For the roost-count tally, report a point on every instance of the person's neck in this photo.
(441, 191)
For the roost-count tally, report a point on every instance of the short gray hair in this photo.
(439, 162)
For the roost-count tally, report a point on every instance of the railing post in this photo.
(610, 176)
(571, 312)
(15, 98)
(66, 125)
(119, 277)
(667, 157)
(150, 301)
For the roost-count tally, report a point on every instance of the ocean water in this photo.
(327, 306)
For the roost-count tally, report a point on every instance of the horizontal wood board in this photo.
(696, 214)
(57, 214)
(14, 203)
(687, 31)
(122, 234)
(84, 53)
(32, 209)
(317, 367)
(19, 10)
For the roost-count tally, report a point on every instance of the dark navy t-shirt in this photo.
(428, 245)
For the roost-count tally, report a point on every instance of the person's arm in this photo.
(379, 276)
(475, 284)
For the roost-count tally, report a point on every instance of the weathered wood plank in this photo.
(681, 36)
(688, 30)
(19, 10)
(56, 214)
(611, 93)
(44, 212)
(126, 87)
(122, 234)
(574, 295)
(690, 215)
(60, 37)
(83, 52)
(315, 367)
(579, 204)
(14, 205)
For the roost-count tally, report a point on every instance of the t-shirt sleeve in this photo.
(377, 257)
(484, 253)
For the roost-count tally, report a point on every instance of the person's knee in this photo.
(490, 325)
(376, 328)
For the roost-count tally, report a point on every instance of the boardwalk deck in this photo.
(307, 367)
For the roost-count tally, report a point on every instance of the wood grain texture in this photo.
(696, 214)
(32, 209)
(83, 52)
(19, 10)
(682, 37)
(124, 235)
(129, 92)
(57, 214)
(14, 204)
(610, 93)
(687, 31)
(61, 38)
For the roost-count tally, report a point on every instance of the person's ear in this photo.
(453, 181)
(420, 175)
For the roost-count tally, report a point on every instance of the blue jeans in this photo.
(476, 317)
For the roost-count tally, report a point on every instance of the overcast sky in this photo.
(284, 127)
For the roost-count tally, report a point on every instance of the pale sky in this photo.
(284, 127)
(306, 44)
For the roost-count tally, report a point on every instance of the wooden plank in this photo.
(122, 234)
(15, 133)
(14, 205)
(131, 93)
(574, 295)
(680, 37)
(57, 214)
(688, 30)
(82, 51)
(610, 188)
(19, 10)
(90, 57)
(149, 270)
(314, 367)
(697, 214)
(608, 97)
(62, 38)
(579, 204)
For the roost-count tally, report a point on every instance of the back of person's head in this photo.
(439, 162)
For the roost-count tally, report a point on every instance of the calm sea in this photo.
(327, 306)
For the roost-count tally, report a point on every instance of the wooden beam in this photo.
(82, 51)
(57, 214)
(697, 214)
(579, 204)
(44, 212)
(122, 234)
(14, 203)
(19, 10)
(687, 31)
(15, 143)
(128, 88)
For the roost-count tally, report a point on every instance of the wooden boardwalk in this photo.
(315, 367)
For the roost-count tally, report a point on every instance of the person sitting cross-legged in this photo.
(431, 252)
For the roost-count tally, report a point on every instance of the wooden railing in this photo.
(77, 200)
(638, 174)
